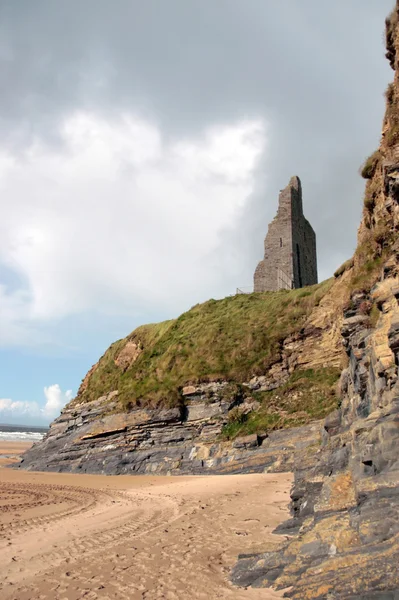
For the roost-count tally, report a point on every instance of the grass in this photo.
(307, 396)
(390, 26)
(230, 339)
(367, 275)
(374, 316)
(348, 264)
(370, 165)
(392, 135)
(372, 192)
(390, 93)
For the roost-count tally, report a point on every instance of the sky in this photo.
(142, 149)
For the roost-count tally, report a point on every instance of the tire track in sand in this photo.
(170, 542)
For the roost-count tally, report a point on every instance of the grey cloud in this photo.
(313, 70)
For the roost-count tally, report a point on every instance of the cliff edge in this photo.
(345, 500)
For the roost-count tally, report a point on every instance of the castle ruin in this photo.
(290, 246)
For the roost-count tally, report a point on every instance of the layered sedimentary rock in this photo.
(345, 500)
(94, 439)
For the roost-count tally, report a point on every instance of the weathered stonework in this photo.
(290, 246)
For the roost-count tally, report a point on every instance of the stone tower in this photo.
(290, 246)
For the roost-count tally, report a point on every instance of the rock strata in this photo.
(92, 439)
(345, 499)
(342, 542)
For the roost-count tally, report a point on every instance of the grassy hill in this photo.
(231, 339)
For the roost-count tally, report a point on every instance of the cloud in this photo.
(132, 163)
(15, 328)
(119, 219)
(55, 400)
(16, 410)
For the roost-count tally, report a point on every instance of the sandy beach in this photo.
(11, 451)
(67, 537)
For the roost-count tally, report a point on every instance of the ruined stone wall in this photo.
(278, 248)
(290, 245)
(303, 242)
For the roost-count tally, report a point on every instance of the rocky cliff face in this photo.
(345, 500)
(94, 439)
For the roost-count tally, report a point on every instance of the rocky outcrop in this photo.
(93, 439)
(343, 539)
(345, 500)
(100, 437)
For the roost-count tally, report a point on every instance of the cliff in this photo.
(208, 392)
(345, 500)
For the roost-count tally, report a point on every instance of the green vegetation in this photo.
(232, 339)
(390, 26)
(374, 315)
(373, 189)
(390, 93)
(307, 395)
(366, 275)
(348, 264)
(392, 135)
(370, 165)
(369, 202)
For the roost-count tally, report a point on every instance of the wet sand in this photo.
(11, 451)
(67, 537)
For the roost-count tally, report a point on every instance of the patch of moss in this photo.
(390, 27)
(392, 134)
(374, 316)
(370, 256)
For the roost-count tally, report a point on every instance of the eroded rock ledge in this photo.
(91, 439)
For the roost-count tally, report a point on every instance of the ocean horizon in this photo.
(22, 433)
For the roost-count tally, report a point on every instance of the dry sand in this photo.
(67, 537)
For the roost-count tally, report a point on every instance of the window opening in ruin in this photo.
(298, 258)
(281, 242)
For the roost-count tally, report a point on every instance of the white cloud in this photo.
(11, 410)
(119, 219)
(55, 400)
(15, 327)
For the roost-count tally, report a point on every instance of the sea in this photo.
(21, 433)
